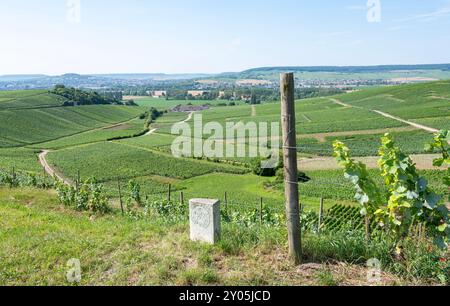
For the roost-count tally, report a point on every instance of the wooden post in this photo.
(120, 195)
(367, 225)
(320, 215)
(261, 211)
(287, 89)
(77, 181)
(169, 194)
(226, 201)
(182, 198)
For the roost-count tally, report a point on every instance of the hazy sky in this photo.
(176, 36)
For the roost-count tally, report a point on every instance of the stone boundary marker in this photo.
(204, 219)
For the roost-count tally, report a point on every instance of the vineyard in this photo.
(107, 151)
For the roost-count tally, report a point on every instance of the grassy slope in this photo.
(33, 117)
(38, 237)
(313, 116)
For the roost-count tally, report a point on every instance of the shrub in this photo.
(409, 200)
(89, 196)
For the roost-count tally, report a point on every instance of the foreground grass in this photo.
(38, 236)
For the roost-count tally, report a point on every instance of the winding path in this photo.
(254, 112)
(340, 103)
(151, 132)
(386, 115)
(49, 170)
(416, 125)
(53, 173)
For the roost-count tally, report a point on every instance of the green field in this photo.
(32, 118)
(78, 138)
(163, 104)
(132, 249)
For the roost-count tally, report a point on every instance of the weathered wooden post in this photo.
(182, 198)
(14, 177)
(320, 215)
(226, 201)
(78, 180)
(120, 195)
(261, 211)
(287, 89)
(169, 193)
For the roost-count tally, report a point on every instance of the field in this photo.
(163, 104)
(32, 118)
(130, 250)
(77, 138)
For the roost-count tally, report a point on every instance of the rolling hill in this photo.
(31, 117)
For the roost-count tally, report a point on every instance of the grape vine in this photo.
(407, 201)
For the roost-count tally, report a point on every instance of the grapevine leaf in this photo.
(363, 211)
(411, 195)
(442, 227)
(438, 162)
(431, 200)
(440, 242)
(447, 180)
(422, 184)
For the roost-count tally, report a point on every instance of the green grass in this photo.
(39, 237)
(98, 135)
(29, 99)
(30, 127)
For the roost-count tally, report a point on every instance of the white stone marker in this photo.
(204, 216)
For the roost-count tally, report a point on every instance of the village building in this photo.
(159, 94)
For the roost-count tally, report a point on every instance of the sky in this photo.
(211, 36)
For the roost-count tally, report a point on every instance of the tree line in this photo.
(79, 97)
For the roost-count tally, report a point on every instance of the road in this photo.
(416, 125)
(53, 173)
(49, 170)
(422, 161)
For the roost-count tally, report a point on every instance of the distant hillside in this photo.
(31, 117)
(383, 72)
(348, 69)
(20, 77)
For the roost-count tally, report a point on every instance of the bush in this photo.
(256, 166)
(89, 196)
(15, 179)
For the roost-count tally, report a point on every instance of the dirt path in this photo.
(386, 115)
(440, 98)
(254, 113)
(191, 114)
(321, 137)
(422, 161)
(416, 125)
(50, 171)
(151, 132)
(340, 102)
